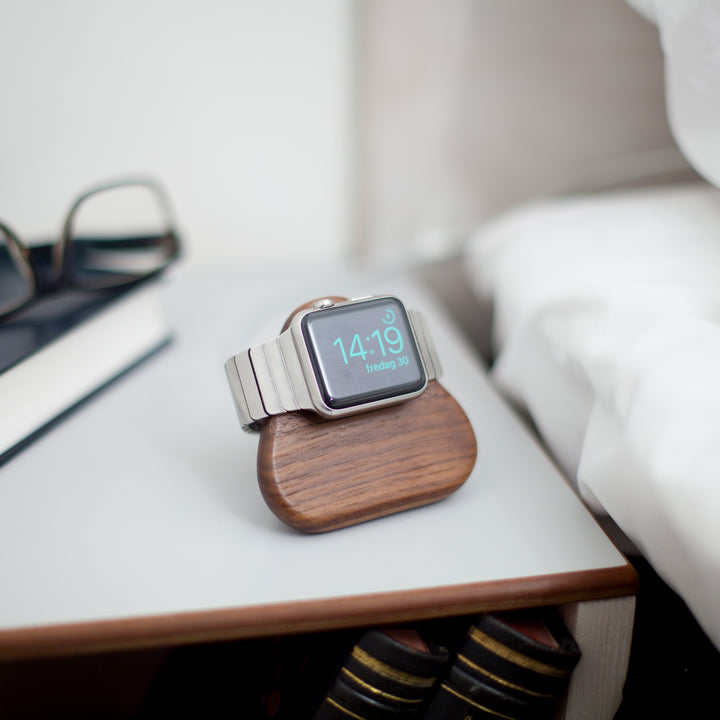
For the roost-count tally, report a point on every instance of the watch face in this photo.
(363, 352)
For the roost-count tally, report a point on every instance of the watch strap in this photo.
(428, 353)
(266, 380)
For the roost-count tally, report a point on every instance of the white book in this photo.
(54, 356)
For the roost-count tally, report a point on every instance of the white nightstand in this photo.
(136, 522)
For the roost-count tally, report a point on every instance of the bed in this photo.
(606, 331)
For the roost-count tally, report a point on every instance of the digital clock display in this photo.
(363, 352)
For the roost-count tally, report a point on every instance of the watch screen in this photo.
(363, 352)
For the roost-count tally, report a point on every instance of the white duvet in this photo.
(607, 328)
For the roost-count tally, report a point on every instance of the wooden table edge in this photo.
(301, 616)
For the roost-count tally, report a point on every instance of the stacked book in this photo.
(64, 348)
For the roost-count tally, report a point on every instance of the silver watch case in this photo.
(278, 376)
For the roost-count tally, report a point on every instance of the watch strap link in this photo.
(268, 379)
(425, 345)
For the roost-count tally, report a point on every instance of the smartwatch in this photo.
(335, 358)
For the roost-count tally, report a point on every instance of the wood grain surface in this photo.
(317, 614)
(318, 474)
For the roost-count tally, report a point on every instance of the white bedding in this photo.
(607, 328)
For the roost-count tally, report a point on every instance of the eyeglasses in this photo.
(114, 235)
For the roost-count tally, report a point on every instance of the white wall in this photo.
(468, 107)
(240, 106)
(289, 128)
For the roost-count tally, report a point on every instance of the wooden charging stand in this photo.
(318, 474)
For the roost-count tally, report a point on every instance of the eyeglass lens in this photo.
(118, 234)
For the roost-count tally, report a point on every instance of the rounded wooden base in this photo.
(318, 474)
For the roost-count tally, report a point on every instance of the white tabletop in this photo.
(144, 501)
